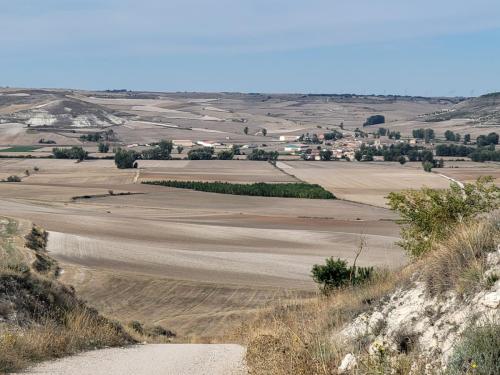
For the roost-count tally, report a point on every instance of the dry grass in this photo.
(459, 262)
(83, 329)
(41, 318)
(298, 338)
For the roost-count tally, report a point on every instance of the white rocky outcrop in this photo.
(411, 317)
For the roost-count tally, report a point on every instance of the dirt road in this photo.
(164, 359)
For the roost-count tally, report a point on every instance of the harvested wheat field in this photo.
(367, 183)
(197, 262)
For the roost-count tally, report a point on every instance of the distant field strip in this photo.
(20, 149)
(285, 190)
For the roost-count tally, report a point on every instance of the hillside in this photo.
(41, 318)
(440, 314)
(480, 111)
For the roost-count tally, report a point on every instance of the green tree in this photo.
(126, 158)
(225, 155)
(402, 160)
(180, 149)
(326, 155)
(449, 135)
(466, 139)
(374, 120)
(264, 132)
(245, 130)
(204, 153)
(162, 151)
(75, 152)
(103, 147)
(429, 215)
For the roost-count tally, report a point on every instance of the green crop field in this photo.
(20, 149)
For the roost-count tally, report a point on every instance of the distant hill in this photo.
(57, 111)
(484, 110)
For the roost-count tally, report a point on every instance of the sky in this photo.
(405, 47)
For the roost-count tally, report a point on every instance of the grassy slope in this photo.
(302, 337)
(41, 318)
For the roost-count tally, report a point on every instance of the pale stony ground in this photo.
(165, 359)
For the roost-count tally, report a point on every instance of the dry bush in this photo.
(298, 337)
(458, 263)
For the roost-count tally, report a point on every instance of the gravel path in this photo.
(161, 359)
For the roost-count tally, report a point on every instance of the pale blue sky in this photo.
(418, 47)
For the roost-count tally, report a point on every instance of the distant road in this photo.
(157, 359)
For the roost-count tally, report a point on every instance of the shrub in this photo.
(336, 274)
(402, 160)
(13, 178)
(125, 158)
(285, 190)
(478, 351)
(427, 165)
(428, 215)
(157, 330)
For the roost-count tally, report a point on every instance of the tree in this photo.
(225, 155)
(204, 153)
(161, 151)
(180, 149)
(374, 120)
(326, 155)
(75, 152)
(428, 135)
(264, 132)
(103, 147)
(262, 155)
(466, 139)
(429, 215)
(449, 135)
(402, 160)
(126, 158)
(245, 130)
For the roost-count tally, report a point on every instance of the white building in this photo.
(288, 138)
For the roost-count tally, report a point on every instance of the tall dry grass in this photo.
(299, 337)
(82, 330)
(459, 262)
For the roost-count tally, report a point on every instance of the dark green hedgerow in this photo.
(288, 190)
